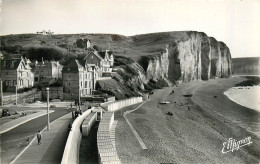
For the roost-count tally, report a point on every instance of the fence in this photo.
(32, 95)
(113, 106)
(55, 93)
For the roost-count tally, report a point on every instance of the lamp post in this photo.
(48, 119)
(16, 95)
(1, 83)
(79, 97)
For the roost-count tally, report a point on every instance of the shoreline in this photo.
(193, 134)
(235, 95)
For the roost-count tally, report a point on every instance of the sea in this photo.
(247, 96)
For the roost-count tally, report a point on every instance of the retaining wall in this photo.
(71, 151)
(113, 106)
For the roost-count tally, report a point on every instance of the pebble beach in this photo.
(196, 131)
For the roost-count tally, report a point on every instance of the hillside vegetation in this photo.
(133, 46)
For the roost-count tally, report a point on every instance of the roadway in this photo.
(15, 140)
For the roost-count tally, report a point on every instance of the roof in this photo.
(103, 53)
(8, 63)
(51, 64)
(71, 67)
(13, 64)
(75, 64)
(95, 53)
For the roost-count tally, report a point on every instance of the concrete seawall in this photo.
(114, 106)
(71, 151)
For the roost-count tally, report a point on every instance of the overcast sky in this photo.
(236, 22)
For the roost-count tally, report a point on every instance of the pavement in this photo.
(38, 104)
(21, 120)
(52, 144)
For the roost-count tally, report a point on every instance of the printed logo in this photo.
(233, 144)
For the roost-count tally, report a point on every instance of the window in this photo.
(81, 83)
(14, 82)
(21, 74)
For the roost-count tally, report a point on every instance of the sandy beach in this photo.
(195, 132)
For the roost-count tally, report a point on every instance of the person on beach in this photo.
(39, 137)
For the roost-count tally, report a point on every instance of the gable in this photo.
(93, 59)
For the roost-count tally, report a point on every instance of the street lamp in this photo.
(1, 87)
(16, 95)
(79, 97)
(48, 119)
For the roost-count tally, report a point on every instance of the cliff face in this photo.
(197, 58)
(158, 67)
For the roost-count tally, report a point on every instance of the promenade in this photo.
(52, 145)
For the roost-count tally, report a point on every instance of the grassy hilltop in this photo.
(62, 45)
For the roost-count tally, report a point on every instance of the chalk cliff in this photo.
(197, 58)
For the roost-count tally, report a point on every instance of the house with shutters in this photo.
(103, 59)
(16, 72)
(79, 78)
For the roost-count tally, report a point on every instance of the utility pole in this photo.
(48, 116)
(79, 97)
(16, 95)
(1, 87)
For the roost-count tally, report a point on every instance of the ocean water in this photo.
(248, 97)
(245, 96)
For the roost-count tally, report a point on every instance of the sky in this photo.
(235, 22)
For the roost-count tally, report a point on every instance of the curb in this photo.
(132, 128)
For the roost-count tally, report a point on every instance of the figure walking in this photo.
(73, 116)
(39, 137)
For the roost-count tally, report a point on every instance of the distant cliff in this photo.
(246, 66)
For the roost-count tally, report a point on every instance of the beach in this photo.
(196, 131)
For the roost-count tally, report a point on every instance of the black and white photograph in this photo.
(130, 81)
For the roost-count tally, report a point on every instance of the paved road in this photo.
(14, 141)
